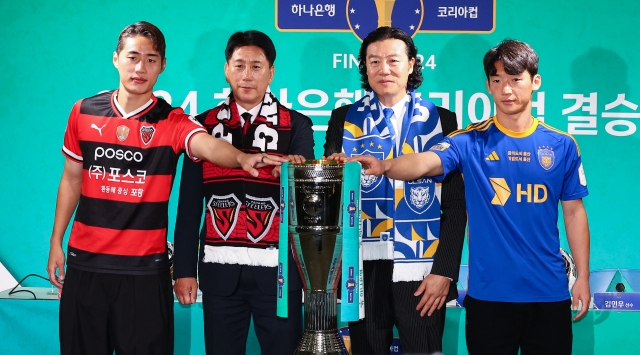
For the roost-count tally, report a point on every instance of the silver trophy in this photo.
(315, 232)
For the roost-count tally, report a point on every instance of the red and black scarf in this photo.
(242, 211)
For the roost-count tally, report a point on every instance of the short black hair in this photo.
(516, 56)
(380, 34)
(251, 38)
(144, 29)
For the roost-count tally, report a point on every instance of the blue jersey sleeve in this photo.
(575, 182)
(449, 152)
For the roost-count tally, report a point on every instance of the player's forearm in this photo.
(215, 150)
(67, 201)
(577, 228)
(413, 166)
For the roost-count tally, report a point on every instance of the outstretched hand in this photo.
(339, 157)
(293, 159)
(370, 164)
(252, 162)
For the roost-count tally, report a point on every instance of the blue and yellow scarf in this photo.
(400, 219)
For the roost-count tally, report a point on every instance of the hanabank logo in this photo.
(351, 284)
(224, 213)
(260, 215)
(281, 279)
(282, 204)
(363, 16)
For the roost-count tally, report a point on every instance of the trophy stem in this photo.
(320, 311)
(321, 325)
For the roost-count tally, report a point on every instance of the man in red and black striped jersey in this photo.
(237, 266)
(121, 151)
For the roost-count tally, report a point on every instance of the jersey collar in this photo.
(120, 110)
(513, 134)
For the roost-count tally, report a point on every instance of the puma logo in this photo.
(99, 129)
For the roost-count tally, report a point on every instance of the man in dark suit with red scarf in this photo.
(238, 242)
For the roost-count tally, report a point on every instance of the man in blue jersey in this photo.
(516, 170)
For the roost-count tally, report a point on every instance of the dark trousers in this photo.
(131, 314)
(227, 320)
(503, 328)
(389, 303)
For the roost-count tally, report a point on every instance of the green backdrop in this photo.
(56, 52)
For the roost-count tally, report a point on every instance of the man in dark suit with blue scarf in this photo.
(406, 282)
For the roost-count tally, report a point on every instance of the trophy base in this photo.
(326, 342)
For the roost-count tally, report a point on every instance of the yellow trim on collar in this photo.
(513, 134)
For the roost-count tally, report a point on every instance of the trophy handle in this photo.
(282, 294)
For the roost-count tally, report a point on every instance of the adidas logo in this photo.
(493, 156)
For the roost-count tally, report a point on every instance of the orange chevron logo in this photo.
(493, 156)
(502, 191)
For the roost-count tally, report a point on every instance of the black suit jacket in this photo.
(222, 279)
(453, 219)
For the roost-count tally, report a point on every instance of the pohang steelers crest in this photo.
(363, 16)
